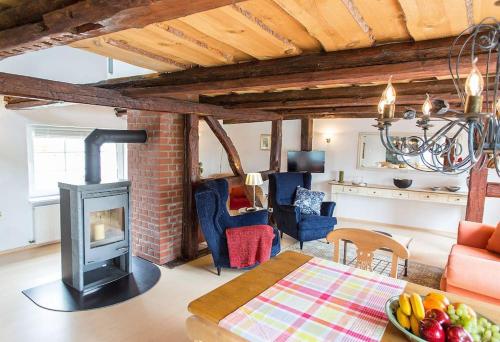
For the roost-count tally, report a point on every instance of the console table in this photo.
(392, 192)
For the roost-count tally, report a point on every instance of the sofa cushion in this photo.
(308, 201)
(494, 241)
(473, 269)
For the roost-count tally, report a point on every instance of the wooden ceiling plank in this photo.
(329, 21)
(429, 19)
(483, 9)
(160, 44)
(36, 88)
(197, 47)
(101, 47)
(385, 18)
(281, 22)
(85, 19)
(241, 29)
(124, 45)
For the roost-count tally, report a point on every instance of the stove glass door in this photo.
(107, 226)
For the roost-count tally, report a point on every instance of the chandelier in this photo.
(463, 137)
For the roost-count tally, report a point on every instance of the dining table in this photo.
(246, 304)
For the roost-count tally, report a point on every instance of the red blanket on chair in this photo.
(249, 245)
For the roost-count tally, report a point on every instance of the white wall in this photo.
(62, 64)
(341, 154)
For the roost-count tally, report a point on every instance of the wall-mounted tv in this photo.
(310, 161)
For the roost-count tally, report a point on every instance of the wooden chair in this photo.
(367, 242)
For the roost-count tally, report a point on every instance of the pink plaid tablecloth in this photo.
(320, 301)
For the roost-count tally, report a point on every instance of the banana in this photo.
(403, 319)
(404, 304)
(417, 306)
(414, 325)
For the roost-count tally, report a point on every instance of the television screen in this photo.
(311, 161)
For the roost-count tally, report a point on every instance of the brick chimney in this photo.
(156, 172)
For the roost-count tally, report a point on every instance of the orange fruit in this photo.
(432, 303)
(439, 297)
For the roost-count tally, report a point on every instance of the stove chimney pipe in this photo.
(93, 144)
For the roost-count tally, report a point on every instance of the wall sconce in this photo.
(328, 137)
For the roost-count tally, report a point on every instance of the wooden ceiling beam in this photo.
(354, 92)
(36, 88)
(86, 19)
(405, 61)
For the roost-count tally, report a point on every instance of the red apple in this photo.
(431, 330)
(440, 316)
(455, 333)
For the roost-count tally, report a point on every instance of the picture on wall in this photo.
(265, 141)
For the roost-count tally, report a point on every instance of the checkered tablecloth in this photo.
(320, 301)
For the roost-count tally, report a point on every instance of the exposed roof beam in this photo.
(86, 19)
(353, 92)
(36, 88)
(405, 61)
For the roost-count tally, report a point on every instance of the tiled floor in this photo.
(157, 315)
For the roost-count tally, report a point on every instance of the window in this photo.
(58, 154)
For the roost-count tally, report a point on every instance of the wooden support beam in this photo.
(415, 100)
(85, 19)
(36, 88)
(352, 92)
(478, 181)
(405, 61)
(191, 177)
(276, 143)
(232, 153)
(306, 134)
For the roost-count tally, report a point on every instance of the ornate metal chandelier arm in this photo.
(473, 127)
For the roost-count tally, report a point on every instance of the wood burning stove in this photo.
(95, 234)
(95, 227)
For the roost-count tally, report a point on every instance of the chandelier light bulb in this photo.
(389, 94)
(381, 105)
(474, 84)
(427, 106)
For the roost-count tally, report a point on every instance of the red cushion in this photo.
(494, 241)
(238, 191)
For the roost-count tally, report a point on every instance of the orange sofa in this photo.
(472, 270)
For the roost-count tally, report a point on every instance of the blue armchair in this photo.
(211, 206)
(282, 187)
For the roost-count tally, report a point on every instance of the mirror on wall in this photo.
(373, 155)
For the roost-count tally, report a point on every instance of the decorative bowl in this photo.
(452, 188)
(402, 183)
(390, 309)
(435, 188)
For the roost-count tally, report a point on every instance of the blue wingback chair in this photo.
(282, 187)
(211, 198)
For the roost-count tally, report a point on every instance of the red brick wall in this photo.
(156, 172)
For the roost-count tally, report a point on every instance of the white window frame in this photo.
(121, 155)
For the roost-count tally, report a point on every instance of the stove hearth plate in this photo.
(58, 296)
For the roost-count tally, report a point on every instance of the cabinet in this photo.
(382, 191)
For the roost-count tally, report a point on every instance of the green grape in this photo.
(476, 337)
(482, 321)
(487, 335)
(495, 329)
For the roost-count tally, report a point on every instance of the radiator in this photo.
(46, 223)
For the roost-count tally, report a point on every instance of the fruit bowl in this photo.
(391, 307)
